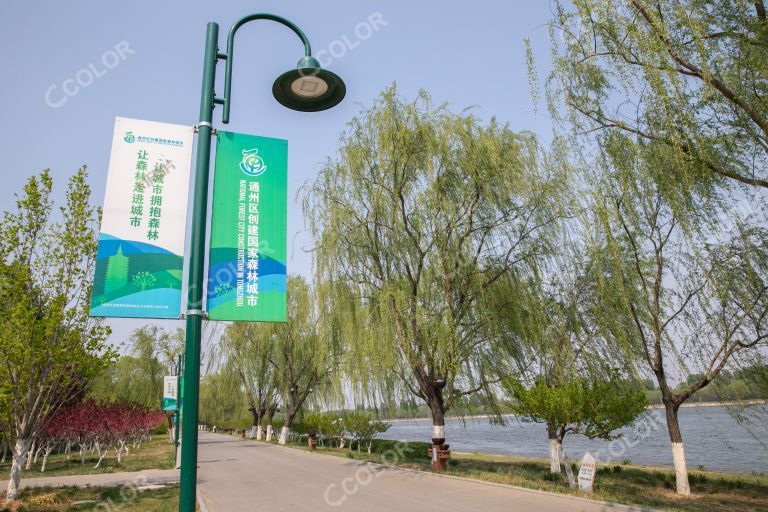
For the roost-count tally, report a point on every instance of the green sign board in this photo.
(246, 273)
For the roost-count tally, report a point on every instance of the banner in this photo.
(141, 244)
(170, 392)
(246, 273)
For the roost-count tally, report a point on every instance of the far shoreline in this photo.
(652, 406)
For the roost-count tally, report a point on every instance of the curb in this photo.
(121, 478)
(201, 500)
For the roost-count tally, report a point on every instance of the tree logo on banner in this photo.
(252, 164)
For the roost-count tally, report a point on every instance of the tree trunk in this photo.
(433, 395)
(19, 458)
(256, 425)
(101, 453)
(120, 448)
(3, 451)
(568, 469)
(283, 435)
(271, 410)
(555, 444)
(30, 456)
(48, 450)
(259, 432)
(68, 450)
(289, 417)
(678, 454)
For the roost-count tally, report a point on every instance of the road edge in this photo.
(629, 508)
(201, 500)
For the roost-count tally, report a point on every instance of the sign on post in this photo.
(170, 393)
(141, 243)
(587, 473)
(246, 273)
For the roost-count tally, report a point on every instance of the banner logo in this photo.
(129, 138)
(252, 164)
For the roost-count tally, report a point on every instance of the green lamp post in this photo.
(308, 88)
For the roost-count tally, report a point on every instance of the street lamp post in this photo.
(308, 88)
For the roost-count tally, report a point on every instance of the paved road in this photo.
(236, 475)
(137, 478)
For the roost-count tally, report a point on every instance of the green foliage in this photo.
(581, 406)
(222, 402)
(262, 365)
(363, 428)
(49, 347)
(687, 75)
(138, 377)
(250, 354)
(420, 214)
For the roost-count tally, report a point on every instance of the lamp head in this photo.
(309, 88)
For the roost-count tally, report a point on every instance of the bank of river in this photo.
(712, 438)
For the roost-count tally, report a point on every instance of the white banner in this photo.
(141, 244)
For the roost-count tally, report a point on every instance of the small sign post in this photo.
(587, 473)
(170, 392)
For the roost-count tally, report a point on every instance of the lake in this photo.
(711, 436)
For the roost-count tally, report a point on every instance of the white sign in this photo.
(141, 244)
(171, 387)
(587, 472)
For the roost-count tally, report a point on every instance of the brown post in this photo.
(439, 453)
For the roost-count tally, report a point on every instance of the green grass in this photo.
(627, 484)
(75, 499)
(155, 454)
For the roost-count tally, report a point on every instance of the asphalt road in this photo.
(236, 475)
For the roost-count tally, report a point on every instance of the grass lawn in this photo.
(155, 454)
(125, 499)
(633, 485)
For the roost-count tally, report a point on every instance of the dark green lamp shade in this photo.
(309, 89)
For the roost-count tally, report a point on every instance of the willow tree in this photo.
(249, 348)
(421, 212)
(684, 295)
(306, 352)
(690, 75)
(49, 347)
(554, 361)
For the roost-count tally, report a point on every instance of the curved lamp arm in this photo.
(231, 48)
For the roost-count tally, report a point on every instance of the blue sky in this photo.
(465, 54)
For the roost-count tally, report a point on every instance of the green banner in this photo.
(246, 272)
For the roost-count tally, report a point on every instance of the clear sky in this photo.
(468, 54)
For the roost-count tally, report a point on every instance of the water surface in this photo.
(711, 436)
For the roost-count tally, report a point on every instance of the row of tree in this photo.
(358, 426)
(98, 428)
(463, 258)
(50, 349)
(460, 263)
